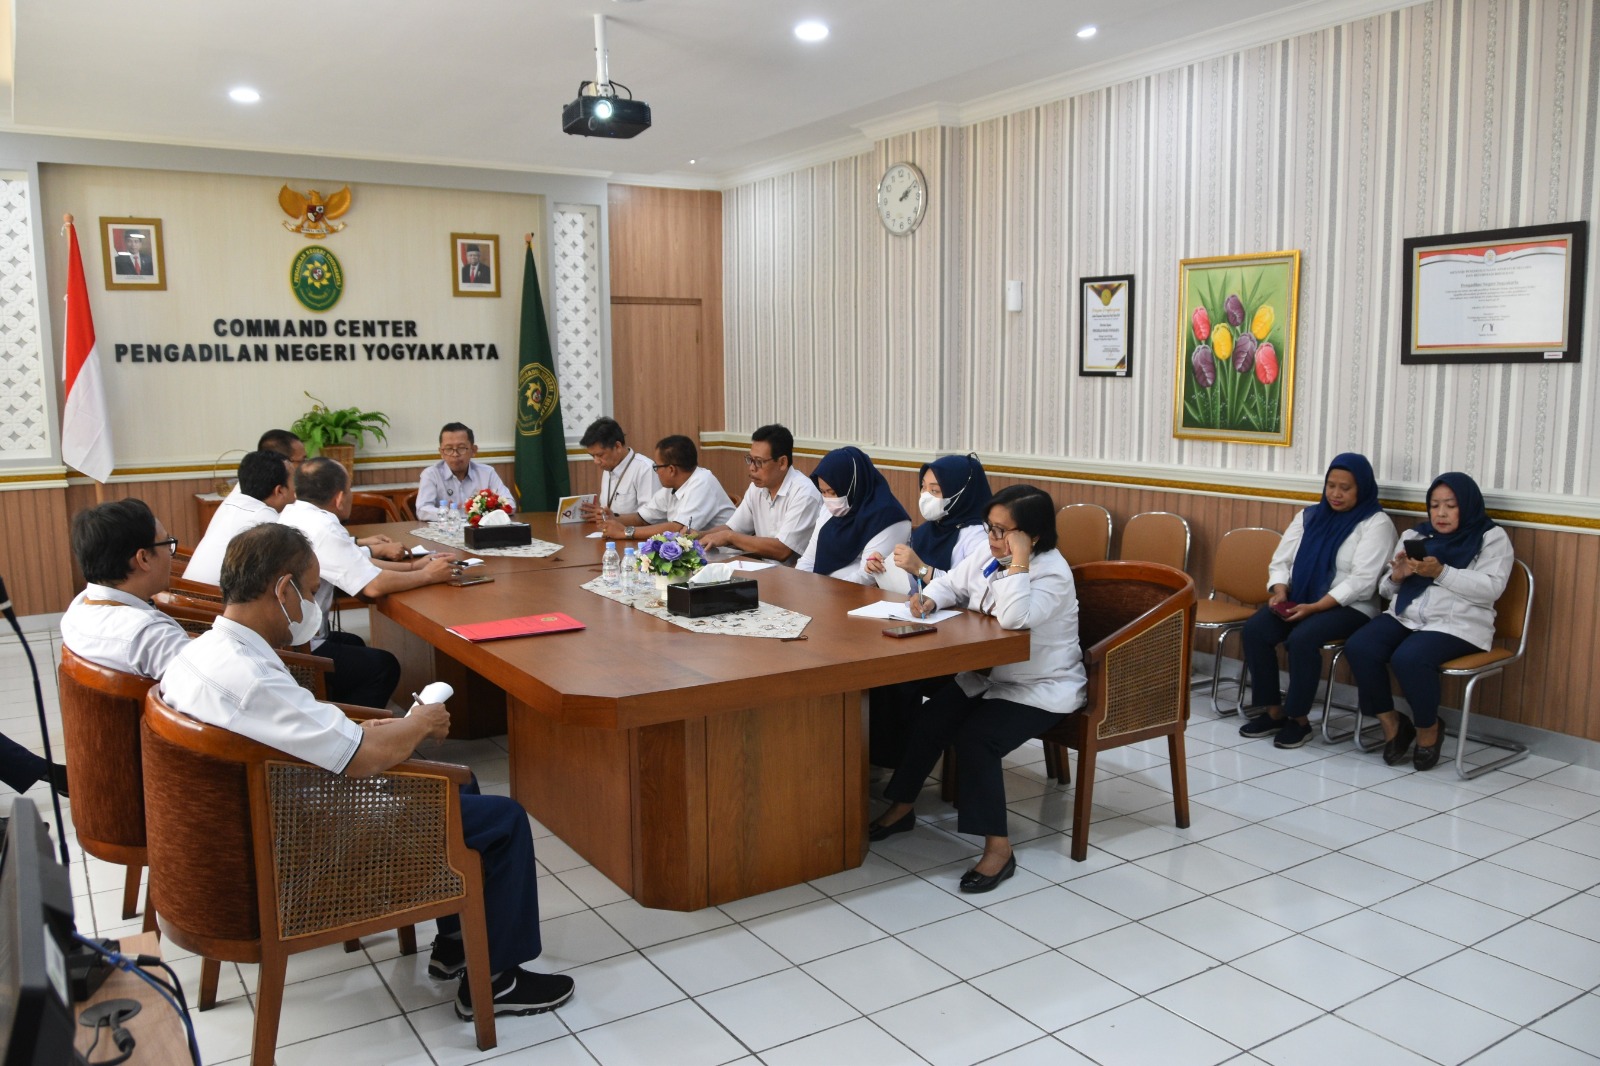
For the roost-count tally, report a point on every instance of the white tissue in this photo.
(711, 574)
(495, 518)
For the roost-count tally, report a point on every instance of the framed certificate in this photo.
(1105, 326)
(1496, 296)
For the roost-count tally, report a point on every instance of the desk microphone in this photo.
(44, 725)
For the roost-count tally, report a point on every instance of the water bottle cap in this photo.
(611, 545)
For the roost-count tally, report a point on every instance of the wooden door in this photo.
(657, 380)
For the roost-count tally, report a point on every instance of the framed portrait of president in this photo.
(475, 264)
(132, 252)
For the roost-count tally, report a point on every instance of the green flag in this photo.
(541, 441)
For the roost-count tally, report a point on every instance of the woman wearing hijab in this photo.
(1324, 584)
(861, 517)
(1442, 608)
(955, 495)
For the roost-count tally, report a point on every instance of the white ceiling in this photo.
(483, 82)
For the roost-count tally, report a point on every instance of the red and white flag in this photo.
(85, 428)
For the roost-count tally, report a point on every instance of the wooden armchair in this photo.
(197, 590)
(100, 710)
(1136, 624)
(255, 856)
(369, 507)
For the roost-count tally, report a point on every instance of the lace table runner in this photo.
(768, 620)
(538, 549)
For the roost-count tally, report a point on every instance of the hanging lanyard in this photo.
(616, 477)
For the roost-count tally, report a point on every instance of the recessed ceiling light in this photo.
(811, 30)
(1088, 32)
(692, 162)
(243, 95)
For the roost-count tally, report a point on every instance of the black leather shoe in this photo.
(1394, 751)
(879, 832)
(973, 881)
(1426, 756)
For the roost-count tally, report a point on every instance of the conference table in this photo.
(690, 768)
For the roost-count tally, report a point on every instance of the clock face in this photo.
(902, 198)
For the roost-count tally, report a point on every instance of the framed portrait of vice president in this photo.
(475, 264)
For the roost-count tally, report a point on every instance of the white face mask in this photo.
(838, 506)
(932, 507)
(310, 618)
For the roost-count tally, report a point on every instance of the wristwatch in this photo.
(924, 572)
(627, 532)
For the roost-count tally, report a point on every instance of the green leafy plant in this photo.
(324, 426)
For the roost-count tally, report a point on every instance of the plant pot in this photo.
(344, 455)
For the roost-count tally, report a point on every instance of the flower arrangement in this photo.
(672, 554)
(485, 501)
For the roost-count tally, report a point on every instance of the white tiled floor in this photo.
(1323, 908)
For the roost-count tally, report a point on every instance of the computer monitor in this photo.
(35, 937)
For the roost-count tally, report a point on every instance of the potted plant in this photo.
(337, 432)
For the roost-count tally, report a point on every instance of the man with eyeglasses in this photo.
(126, 558)
(777, 515)
(456, 477)
(690, 497)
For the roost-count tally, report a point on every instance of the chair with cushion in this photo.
(1136, 624)
(1239, 572)
(1157, 537)
(255, 856)
(100, 710)
(1083, 533)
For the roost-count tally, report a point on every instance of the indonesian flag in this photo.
(85, 429)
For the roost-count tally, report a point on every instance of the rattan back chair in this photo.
(1157, 537)
(1083, 533)
(255, 856)
(1136, 624)
(100, 710)
(1239, 572)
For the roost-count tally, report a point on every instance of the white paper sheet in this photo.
(897, 612)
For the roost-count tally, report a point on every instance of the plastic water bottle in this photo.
(453, 519)
(441, 521)
(610, 566)
(630, 571)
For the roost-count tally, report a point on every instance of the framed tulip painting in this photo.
(1235, 358)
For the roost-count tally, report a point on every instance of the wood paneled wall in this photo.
(1550, 689)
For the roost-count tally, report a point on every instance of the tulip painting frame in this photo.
(1237, 318)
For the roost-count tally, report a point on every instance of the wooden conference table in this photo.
(690, 768)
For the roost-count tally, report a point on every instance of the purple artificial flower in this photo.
(670, 551)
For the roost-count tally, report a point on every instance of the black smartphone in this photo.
(461, 580)
(910, 630)
(1417, 549)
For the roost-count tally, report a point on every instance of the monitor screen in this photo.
(35, 932)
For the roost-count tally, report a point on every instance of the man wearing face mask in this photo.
(776, 517)
(231, 678)
(361, 675)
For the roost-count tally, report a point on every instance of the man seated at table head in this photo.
(231, 678)
(456, 477)
(264, 490)
(626, 479)
(362, 675)
(126, 558)
(778, 513)
(690, 497)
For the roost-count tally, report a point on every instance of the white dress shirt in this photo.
(971, 538)
(628, 488)
(121, 631)
(883, 543)
(789, 517)
(229, 677)
(237, 513)
(699, 503)
(1460, 601)
(344, 564)
(1041, 599)
(1359, 565)
(438, 483)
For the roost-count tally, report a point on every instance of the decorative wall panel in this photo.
(24, 403)
(575, 264)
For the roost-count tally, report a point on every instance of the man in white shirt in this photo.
(690, 496)
(126, 557)
(456, 478)
(361, 675)
(231, 678)
(264, 490)
(778, 513)
(627, 479)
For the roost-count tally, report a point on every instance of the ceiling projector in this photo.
(599, 111)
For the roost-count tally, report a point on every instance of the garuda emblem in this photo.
(312, 214)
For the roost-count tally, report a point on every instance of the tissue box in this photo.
(701, 601)
(514, 535)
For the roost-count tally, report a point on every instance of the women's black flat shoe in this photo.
(1426, 756)
(1394, 751)
(973, 881)
(876, 833)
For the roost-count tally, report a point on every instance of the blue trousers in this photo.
(1303, 641)
(1383, 644)
(496, 827)
(361, 675)
(19, 767)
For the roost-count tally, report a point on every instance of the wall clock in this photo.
(902, 198)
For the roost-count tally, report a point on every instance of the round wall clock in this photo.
(902, 198)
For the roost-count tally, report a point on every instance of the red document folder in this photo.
(526, 626)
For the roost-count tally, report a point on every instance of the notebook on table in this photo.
(526, 626)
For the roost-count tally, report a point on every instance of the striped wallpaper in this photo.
(1444, 117)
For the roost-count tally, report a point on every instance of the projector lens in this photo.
(602, 109)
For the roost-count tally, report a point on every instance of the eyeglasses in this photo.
(755, 462)
(456, 449)
(997, 532)
(171, 544)
(661, 466)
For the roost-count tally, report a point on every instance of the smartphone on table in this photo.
(911, 629)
